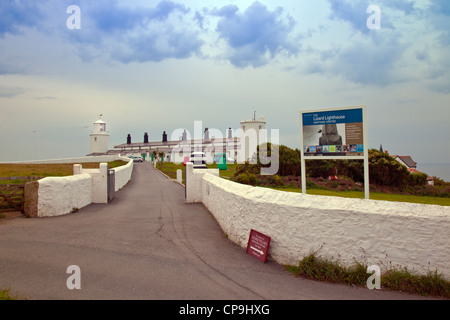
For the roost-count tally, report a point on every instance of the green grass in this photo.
(373, 195)
(42, 170)
(170, 169)
(4, 295)
(312, 267)
(48, 170)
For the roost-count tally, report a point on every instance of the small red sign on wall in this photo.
(258, 245)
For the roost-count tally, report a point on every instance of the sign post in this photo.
(258, 245)
(339, 133)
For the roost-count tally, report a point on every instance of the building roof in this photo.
(407, 160)
(174, 143)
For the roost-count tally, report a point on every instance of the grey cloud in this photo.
(138, 34)
(17, 14)
(256, 35)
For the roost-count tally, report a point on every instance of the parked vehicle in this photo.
(199, 160)
(136, 158)
(219, 156)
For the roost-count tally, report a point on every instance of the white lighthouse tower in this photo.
(99, 137)
(253, 133)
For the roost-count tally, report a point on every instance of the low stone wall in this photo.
(384, 233)
(54, 196)
(194, 181)
(123, 173)
(62, 195)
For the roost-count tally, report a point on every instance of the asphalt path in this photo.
(147, 244)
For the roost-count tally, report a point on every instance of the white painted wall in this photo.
(60, 195)
(389, 234)
(123, 173)
(194, 180)
(99, 183)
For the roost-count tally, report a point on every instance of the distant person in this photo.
(330, 135)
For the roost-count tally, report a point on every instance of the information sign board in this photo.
(333, 133)
(337, 133)
(258, 245)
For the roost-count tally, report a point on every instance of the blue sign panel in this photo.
(333, 117)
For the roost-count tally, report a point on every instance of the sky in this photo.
(154, 66)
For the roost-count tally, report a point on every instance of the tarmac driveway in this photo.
(147, 244)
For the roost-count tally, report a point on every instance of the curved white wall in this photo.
(123, 173)
(60, 195)
(389, 234)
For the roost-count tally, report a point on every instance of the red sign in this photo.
(258, 245)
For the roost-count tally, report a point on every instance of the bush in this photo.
(275, 180)
(385, 170)
(251, 179)
(289, 163)
(246, 178)
(242, 178)
(417, 179)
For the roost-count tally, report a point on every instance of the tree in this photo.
(385, 170)
(289, 163)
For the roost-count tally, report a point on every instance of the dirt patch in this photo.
(10, 215)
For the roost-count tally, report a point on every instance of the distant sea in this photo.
(440, 170)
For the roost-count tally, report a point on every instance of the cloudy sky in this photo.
(154, 66)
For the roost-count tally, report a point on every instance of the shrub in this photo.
(417, 179)
(242, 178)
(385, 170)
(251, 179)
(246, 178)
(275, 180)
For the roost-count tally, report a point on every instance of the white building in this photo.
(99, 138)
(252, 136)
(239, 145)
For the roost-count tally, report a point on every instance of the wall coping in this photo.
(330, 203)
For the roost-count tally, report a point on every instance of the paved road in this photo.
(147, 244)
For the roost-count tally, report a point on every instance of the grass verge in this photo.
(4, 295)
(312, 267)
(48, 170)
(170, 169)
(373, 196)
